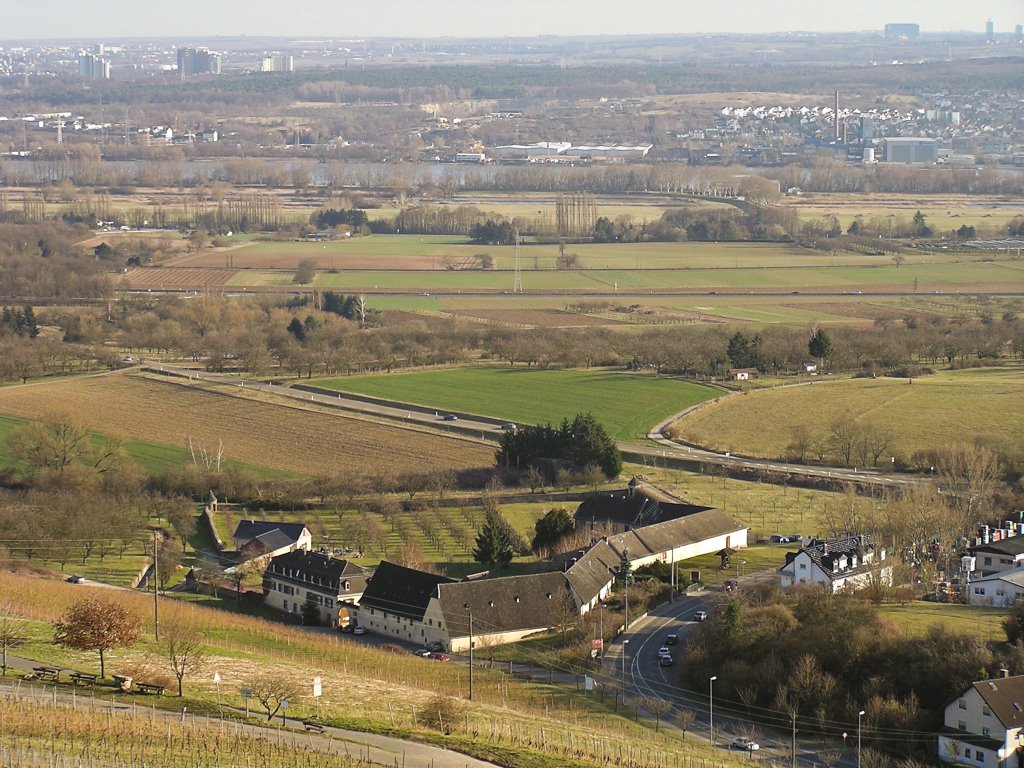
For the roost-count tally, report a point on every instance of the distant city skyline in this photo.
(318, 19)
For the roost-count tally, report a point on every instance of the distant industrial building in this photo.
(93, 66)
(563, 151)
(609, 153)
(1018, 33)
(867, 128)
(909, 31)
(278, 62)
(990, 30)
(911, 150)
(542, 150)
(198, 61)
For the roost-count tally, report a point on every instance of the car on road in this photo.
(665, 661)
(672, 640)
(663, 651)
(424, 652)
(700, 616)
(508, 426)
(742, 742)
(439, 656)
(75, 579)
(731, 585)
(449, 417)
(359, 630)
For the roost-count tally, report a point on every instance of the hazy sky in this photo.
(491, 18)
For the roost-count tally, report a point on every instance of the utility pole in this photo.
(156, 587)
(793, 761)
(470, 611)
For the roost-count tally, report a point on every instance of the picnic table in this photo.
(85, 678)
(150, 688)
(47, 673)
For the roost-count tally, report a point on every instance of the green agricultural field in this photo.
(627, 404)
(963, 277)
(937, 410)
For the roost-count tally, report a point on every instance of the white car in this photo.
(359, 630)
(742, 742)
(663, 651)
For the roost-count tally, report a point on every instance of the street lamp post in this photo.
(624, 644)
(859, 716)
(711, 709)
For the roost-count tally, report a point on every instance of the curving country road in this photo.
(477, 427)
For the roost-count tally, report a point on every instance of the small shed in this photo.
(742, 374)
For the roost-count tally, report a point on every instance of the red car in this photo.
(439, 656)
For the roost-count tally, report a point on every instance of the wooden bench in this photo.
(150, 688)
(47, 673)
(84, 678)
(309, 725)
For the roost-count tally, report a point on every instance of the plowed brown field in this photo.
(253, 432)
(177, 278)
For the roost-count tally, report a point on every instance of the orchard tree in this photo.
(97, 625)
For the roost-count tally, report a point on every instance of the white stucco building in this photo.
(846, 563)
(984, 726)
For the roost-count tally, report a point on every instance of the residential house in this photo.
(333, 585)
(395, 602)
(640, 504)
(655, 526)
(504, 610)
(1000, 590)
(268, 538)
(984, 725)
(850, 562)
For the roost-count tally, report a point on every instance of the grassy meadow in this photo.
(537, 396)
(941, 409)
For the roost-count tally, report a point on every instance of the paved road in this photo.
(644, 675)
(382, 750)
(486, 428)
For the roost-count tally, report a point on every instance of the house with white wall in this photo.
(850, 562)
(984, 725)
(296, 577)
(1000, 590)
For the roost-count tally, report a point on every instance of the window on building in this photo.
(962, 725)
(347, 585)
(962, 703)
(986, 731)
(988, 561)
(803, 566)
(986, 711)
(980, 755)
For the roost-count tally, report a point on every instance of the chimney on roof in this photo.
(824, 548)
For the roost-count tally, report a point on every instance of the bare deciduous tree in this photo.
(272, 689)
(184, 650)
